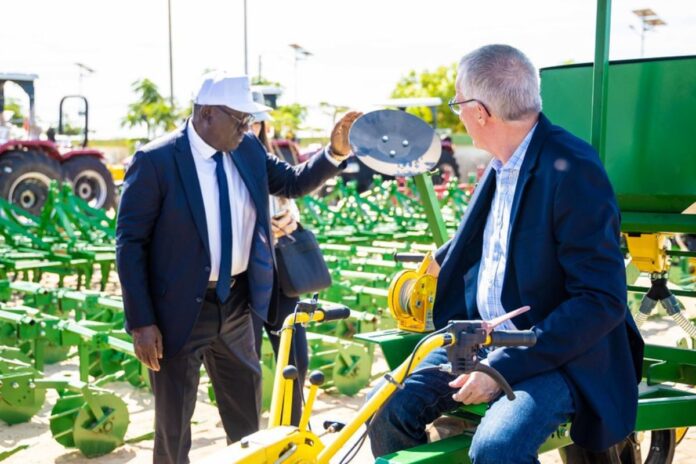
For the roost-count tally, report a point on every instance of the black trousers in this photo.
(298, 349)
(223, 340)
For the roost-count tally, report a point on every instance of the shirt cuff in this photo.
(331, 159)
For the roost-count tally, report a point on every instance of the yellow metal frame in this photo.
(298, 445)
(411, 298)
(648, 252)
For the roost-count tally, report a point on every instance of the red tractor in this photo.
(28, 164)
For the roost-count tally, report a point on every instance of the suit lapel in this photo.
(531, 158)
(478, 206)
(189, 177)
(245, 171)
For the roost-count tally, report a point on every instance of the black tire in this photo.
(91, 180)
(661, 451)
(662, 446)
(25, 177)
(447, 166)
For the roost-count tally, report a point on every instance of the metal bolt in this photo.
(385, 138)
(15, 385)
(32, 385)
(392, 152)
(244, 443)
(42, 324)
(404, 142)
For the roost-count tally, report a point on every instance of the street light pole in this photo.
(648, 22)
(171, 59)
(82, 70)
(246, 51)
(300, 54)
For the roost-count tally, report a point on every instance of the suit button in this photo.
(206, 269)
(199, 299)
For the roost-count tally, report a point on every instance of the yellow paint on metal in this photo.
(648, 252)
(278, 444)
(411, 297)
(118, 172)
(382, 395)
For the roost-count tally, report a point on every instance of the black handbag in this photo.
(301, 266)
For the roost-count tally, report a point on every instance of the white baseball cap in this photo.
(264, 115)
(231, 91)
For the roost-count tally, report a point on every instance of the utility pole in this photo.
(648, 22)
(246, 50)
(301, 53)
(171, 59)
(83, 68)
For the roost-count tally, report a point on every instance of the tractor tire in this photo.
(25, 177)
(91, 180)
(447, 167)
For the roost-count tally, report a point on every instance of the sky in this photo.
(360, 48)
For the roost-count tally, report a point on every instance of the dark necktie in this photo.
(225, 275)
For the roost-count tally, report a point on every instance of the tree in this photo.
(151, 109)
(258, 80)
(332, 110)
(438, 83)
(17, 115)
(287, 119)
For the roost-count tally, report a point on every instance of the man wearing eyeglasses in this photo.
(195, 256)
(542, 230)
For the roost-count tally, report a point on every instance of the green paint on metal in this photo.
(100, 433)
(668, 364)
(649, 152)
(657, 222)
(396, 345)
(144, 437)
(19, 397)
(454, 450)
(63, 416)
(6, 454)
(600, 81)
(668, 409)
(436, 224)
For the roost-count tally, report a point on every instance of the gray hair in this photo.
(503, 78)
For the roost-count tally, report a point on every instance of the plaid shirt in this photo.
(496, 236)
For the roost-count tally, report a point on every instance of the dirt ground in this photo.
(208, 436)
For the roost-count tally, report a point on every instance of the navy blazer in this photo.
(162, 251)
(564, 260)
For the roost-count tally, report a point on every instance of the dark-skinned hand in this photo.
(147, 342)
(340, 145)
(283, 224)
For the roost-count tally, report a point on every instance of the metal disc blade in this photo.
(395, 143)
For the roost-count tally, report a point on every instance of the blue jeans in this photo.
(510, 432)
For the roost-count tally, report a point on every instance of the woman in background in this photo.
(284, 220)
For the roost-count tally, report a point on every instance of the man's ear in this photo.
(206, 114)
(481, 115)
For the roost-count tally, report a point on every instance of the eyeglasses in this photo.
(242, 122)
(456, 106)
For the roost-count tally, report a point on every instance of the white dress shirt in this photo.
(241, 205)
(496, 236)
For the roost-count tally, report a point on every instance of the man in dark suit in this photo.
(542, 230)
(195, 257)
